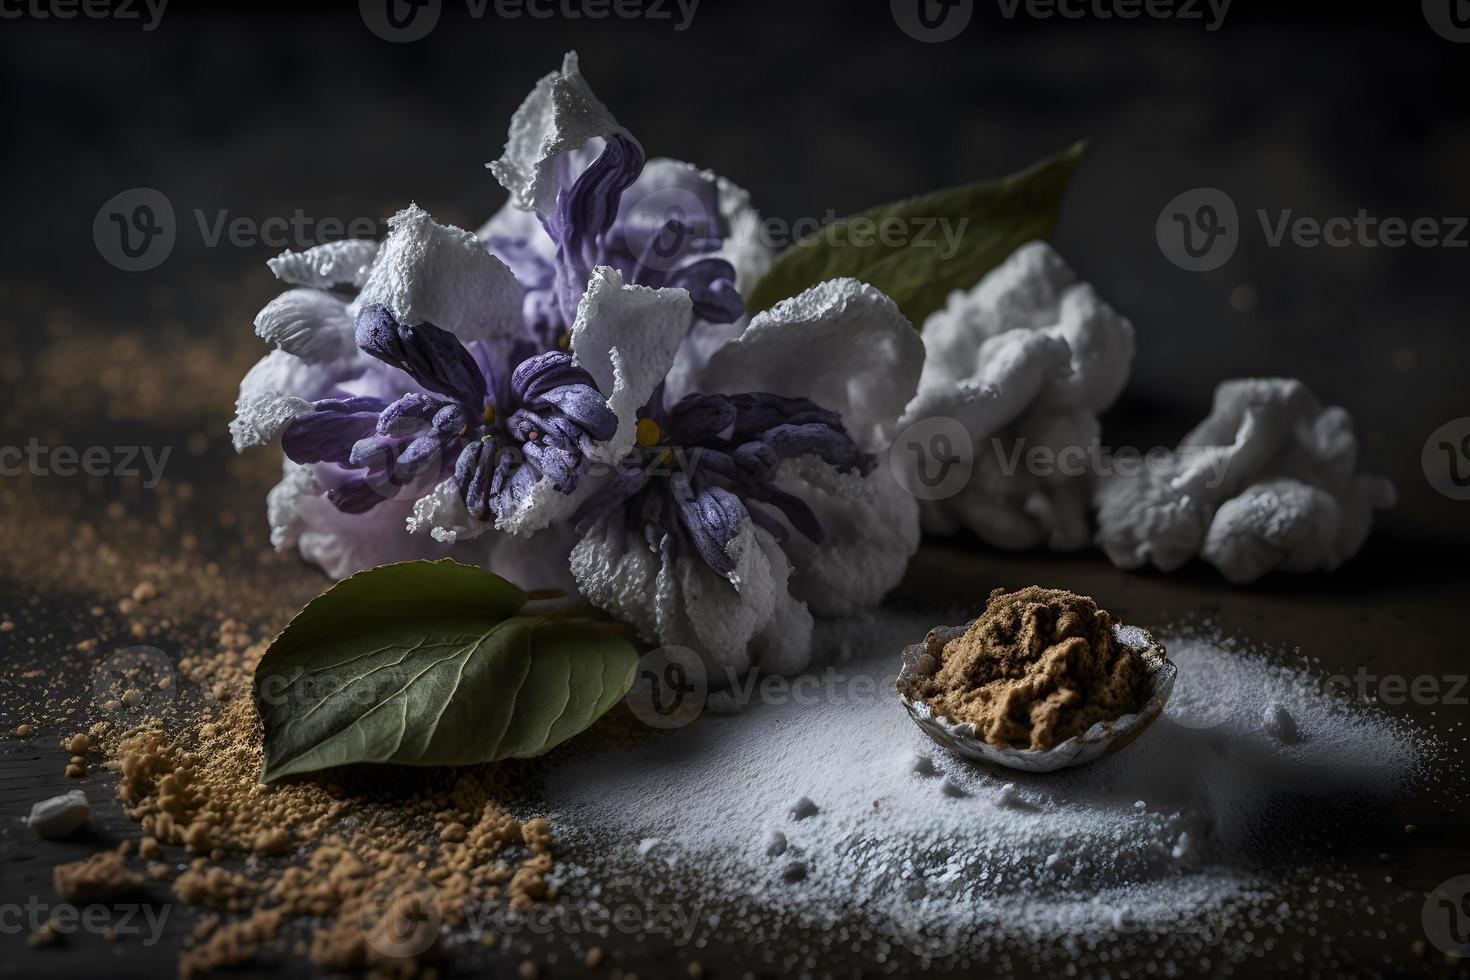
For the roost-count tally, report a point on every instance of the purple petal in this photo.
(768, 522)
(757, 462)
(328, 434)
(795, 509)
(358, 495)
(374, 451)
(548, 369)
(789, 441)
(409, 414)
(585, 212)
(433, 357)
(711, 285)
(584, 406)
(471, 475)
(426, 452)
(699, 418)
(515, 484)
(759, 411)
(552, 457)
(713, 517)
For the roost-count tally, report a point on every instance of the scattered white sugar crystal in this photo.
(1185, 850)
(1279, 723)
(60, 815)
(795, 871)
(923, 764)
(647, 844)
(951, 788)
(1125, 921)
(804, 808)
(1140, 805)
(775, 844)
(1069, 847)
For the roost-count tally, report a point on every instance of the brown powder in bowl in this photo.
(1038, 667)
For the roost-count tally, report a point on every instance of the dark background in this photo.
(1323, 109)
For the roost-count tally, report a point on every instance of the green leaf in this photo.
(986, 223)
(431, 663)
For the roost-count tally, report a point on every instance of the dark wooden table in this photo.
(814, 106)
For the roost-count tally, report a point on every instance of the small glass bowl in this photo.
(1101, 739)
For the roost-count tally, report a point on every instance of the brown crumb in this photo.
(216, 888)
(537, 834)
(145, 592)
(231, 944)
(44, 936)
(74, 771)
(78, 744)
(23, 731)
(94, 879)
(358, 846)
(593, 959)
(529, 970)
(1038, 667)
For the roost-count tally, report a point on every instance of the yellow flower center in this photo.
(647, 432)
(489, 414)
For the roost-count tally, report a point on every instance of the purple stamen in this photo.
(497, 431)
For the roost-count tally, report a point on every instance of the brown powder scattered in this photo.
(1037, 668)
(371, 858)
(110, 565)
(277, 840)
(94, 879)
(229, 944)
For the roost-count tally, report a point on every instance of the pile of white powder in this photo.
(821, 809)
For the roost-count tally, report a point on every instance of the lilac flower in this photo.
(745, 508)
(708, 466)
(474, 377)
(499, 426)
(448, 295)
(655, 232)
